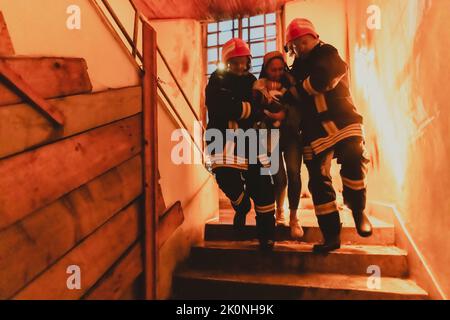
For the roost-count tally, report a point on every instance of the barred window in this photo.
(260, 32)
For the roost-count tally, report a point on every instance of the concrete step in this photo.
(305, 202)
(294, 257)
(209, 284)
(222, 229)
(307, 218)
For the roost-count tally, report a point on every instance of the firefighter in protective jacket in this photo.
(332, 128)
(230, 106)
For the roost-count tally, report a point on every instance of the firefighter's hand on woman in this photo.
(272, 97)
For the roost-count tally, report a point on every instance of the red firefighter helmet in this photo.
(299, 28)
(235, 48)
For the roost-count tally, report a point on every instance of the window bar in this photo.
(253, 42)
(265, 40)
(240, 28)
(217, 40)
(248, 32)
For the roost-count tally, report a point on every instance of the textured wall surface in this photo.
(400, 76)
(180, 42)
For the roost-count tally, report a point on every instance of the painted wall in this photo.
(180, 42)
(38, 28)
(400, 76)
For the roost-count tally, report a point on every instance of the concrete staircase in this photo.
(222, 268)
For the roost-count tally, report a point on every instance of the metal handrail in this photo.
(122, 28)
(178, 84)
(165, 95)
(136, 53)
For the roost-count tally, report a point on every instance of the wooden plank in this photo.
(160, 202)
(136, 291)
(169, 222)
(21, 86)
(49, 77)
(206, 9)
(121, 277)
(150, 117)
(30, 246)
(6, 46)
(95, 255)
(36, 178)
(81, 112)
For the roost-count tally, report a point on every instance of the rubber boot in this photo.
(362, 223)
(356, 201)
(265, 229)
(240, 216)
(330, 226)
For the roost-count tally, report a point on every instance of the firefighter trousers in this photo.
(351, 155)
(241, 186)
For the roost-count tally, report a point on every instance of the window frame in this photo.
(279, 44)
(241, 27)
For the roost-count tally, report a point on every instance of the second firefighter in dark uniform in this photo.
(332, 129)
(230, 105)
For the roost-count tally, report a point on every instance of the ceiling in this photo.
(205, 9)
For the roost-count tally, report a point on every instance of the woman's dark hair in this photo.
(249, 65)
(264, 74)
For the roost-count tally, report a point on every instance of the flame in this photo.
(388, 109)
(384, 77)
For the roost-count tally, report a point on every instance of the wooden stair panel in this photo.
(35, 179)
(32, 245)
(200, 285)
(49, 77)
(81, 113)
(95, 256)
(172, 218)
(113, 285)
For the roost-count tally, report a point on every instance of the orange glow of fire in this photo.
(384, 78)
(388, 110)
